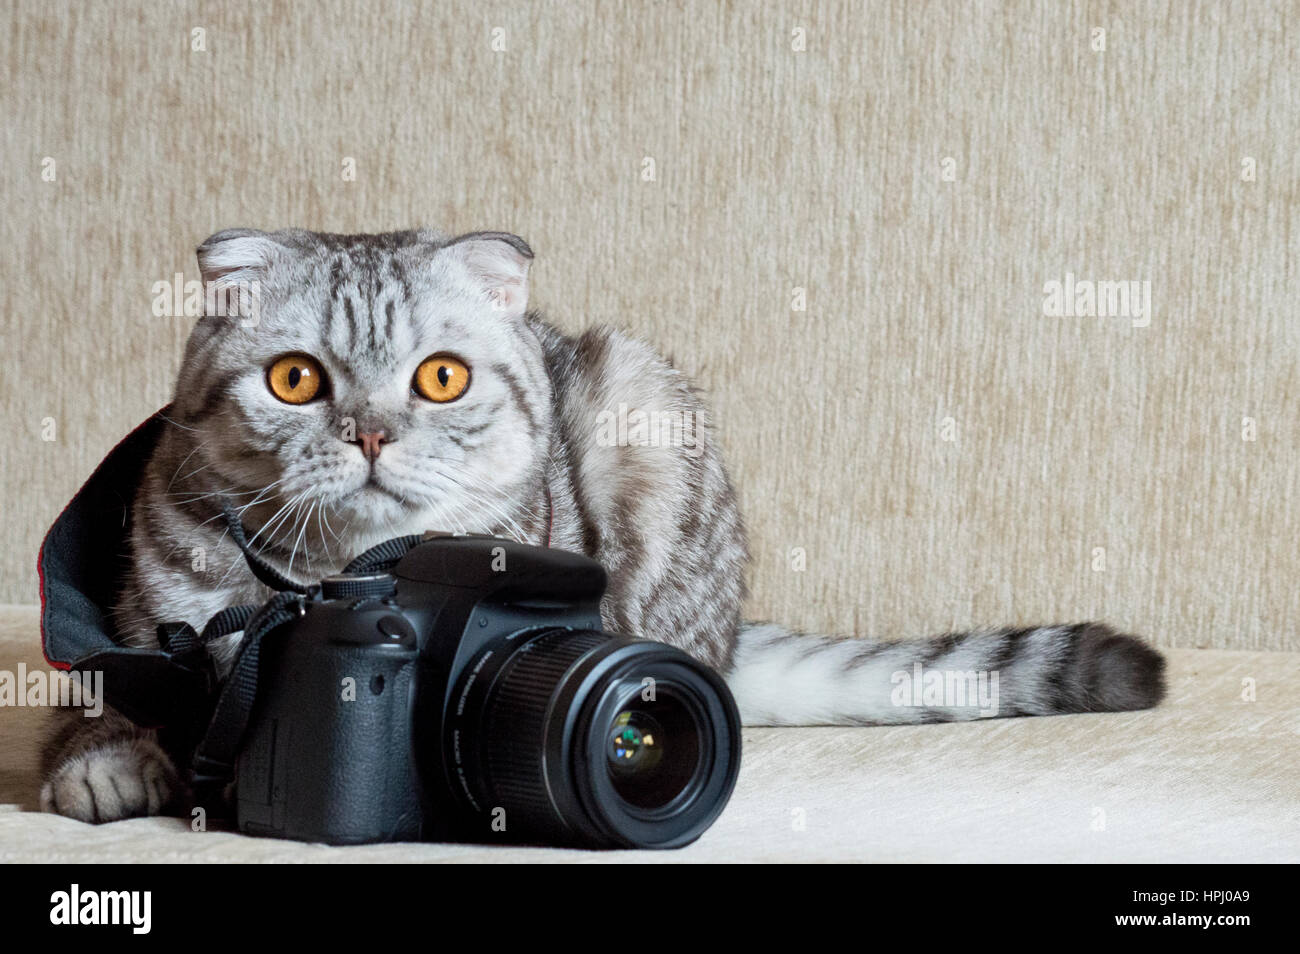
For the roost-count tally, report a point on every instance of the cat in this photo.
(393, 383)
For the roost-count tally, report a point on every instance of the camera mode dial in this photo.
(344, 586)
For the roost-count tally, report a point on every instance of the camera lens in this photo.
(652, 760)
(581, 737)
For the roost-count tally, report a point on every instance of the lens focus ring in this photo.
(514, 727)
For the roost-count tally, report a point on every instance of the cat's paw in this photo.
(126, 778)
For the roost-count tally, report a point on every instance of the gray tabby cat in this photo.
(395, 383)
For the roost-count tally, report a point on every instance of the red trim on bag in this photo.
(40, 554)
(40, 571)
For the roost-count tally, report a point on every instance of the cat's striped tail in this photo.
(784, 678)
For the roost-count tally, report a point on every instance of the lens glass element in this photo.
(653, 751)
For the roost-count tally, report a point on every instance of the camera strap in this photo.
(266, 573)
(382, 557)
(213, 765)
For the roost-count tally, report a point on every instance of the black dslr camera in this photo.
(469, 694)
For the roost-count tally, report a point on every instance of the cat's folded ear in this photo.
(498, 262)
(235, 255)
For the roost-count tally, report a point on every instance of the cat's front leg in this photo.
(105, 769)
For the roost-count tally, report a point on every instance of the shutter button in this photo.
(395, 627)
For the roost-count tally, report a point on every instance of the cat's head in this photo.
(390, 380)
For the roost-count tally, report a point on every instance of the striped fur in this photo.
(522, 454)
(783, 678)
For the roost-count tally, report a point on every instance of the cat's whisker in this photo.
(271, 526)
(476, 499)
(260, 498)
(239, 562)
(311, 504)
(198, 447)
(325, 513)
(496, 510)
(195, 496)
(320, 530)
(239, 512)
(183, 427)
(285, 529)
(165, 508)
(196, 470)
(224, 492)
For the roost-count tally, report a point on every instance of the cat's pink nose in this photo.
(370, 443)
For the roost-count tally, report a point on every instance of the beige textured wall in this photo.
(775, 169)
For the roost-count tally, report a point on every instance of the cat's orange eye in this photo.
(441, 378)
(295, 378)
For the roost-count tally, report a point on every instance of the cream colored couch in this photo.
(1206, 777)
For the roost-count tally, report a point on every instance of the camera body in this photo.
(470, 695)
